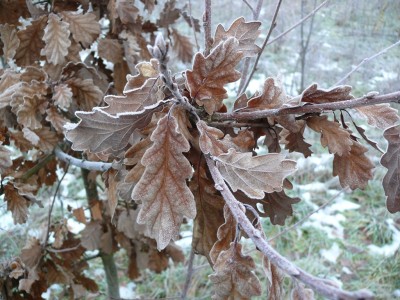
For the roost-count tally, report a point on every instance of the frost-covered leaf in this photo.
(182, 46)
(127, 11)
(5, 158)
(91, 235)
(30, 113)
(145, 71)
(354, 168)
(31, 253)
(391, 161)
(275, 277)
(84, 27)
(209, 75)
(31, 42)
(272, 96)
(210, 139)
(254, 175)
(381, 116)
(313, 94)
(16, 203)
(332, 135)
(234, 276)
(111, 50)
(56, 119)
(245, 32)
(299, 292)
(294, 141)
(8, 35)
(62, 96)
(209, 206)
(42, 138)
(225, 235)
(99, 131)
(9, 84)
(169, 14)
(135, 99)
(163, 190)
(86, 94)
(56, 37)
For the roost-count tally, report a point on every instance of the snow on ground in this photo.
(388, 249)
(331, 254)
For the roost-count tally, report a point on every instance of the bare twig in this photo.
(51, 207)
(249, 5)
(88, 165)
(365, 60)
(37, 167)
(207, 27)
(298, 23)
(271, 28)
(309, 108)
(193, 27)
(278, 260)
(188, 275)
(63, 250)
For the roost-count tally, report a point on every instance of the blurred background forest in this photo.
(352, 239)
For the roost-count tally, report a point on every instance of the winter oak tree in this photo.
(164, 145)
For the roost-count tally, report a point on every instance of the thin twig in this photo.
(298, 23)
(51, 207)
(38, 166)
(271, 28)
(278, 260)
(365, 60)
(309, 108)
(188, 275)
(207, 27)
(287, 229)
(194, 27)
(63, 250)
(88, 165)
(237, 124)
(249, 5)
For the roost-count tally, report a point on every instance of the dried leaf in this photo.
(60, 234)
(30, 42)
(127, 11)
(169, 14)
(62, 96)
(162, 189)
(361, 131)
(209, 218)
(86, 94)
(100, 132)
(30, 113)
(332, 135)
(56, 37)
(17, 204)
(272, 139)
(391, 161)
(234, 275)
(210, 74)
(84, 27)
(381, 116)
(182, 46)
(79, 214)
(149, 5)
(210, 139)
(31, 253)
(301, 293)
(254, 175)
(56, 119)
(8, 34)
(5, 158)
(354, 168)
(272, 96)
(111, 50)
(12, 10)
(135, 99)
(245, 32)
(314, 95)
(225, 235)
(43, 138)
(9, 84)
(275, 276)
(91, 236)
(145, 71)
(294, 141)
(112, 193)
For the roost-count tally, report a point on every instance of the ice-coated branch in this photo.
(317, 284)
(308, 108)
(85, 164)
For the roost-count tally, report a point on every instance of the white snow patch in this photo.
(347, 271)
(186, 241)
(396, 293)
(389, 249)
(331, 254)
(74, 226)
(128, 291)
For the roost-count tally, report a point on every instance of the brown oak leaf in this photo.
(381, 116)
(99, 131)
(209, 75)
(354, 168)
(294, 141)
(272, 96)
(84, 27)
(8, 35)
(62, 96)
(31, 253)
(163, 190)
(314, 95)
(91, 235)
(31, 42)
(111, 50)
(17, 204)
(56, 37)
(5, 158)
(254, 175)
(86, 94)
(30, 113)
(391, 161)
(56, 119)
(210, 139)
(245, 32)
(182, 46)
(299, 292)
(234, 275)
(145, 71)
(209, 206)
(9, 84)
(332, 135)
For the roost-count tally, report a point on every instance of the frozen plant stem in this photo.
(207, 27)
(285, 265)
